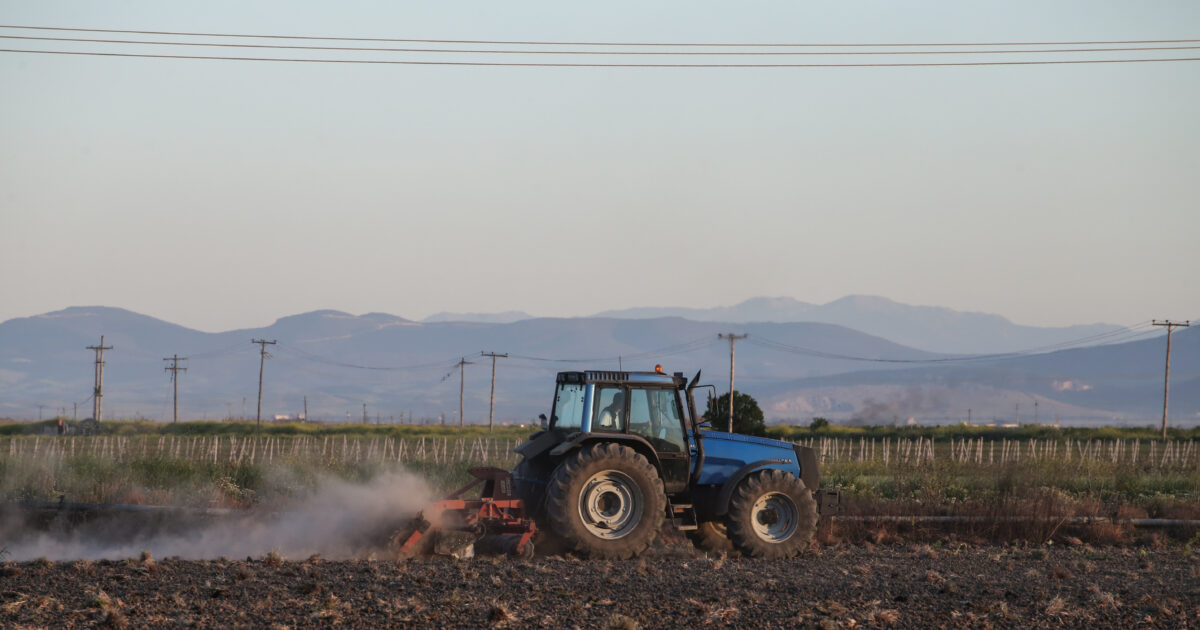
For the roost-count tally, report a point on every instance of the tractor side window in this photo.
(669, 422)
(654, 415)
(639, 413)
(610, 409)
(568, 407)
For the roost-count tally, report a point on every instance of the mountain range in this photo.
(334, 363)
(932, 328)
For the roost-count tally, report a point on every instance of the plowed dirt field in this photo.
(835, 587)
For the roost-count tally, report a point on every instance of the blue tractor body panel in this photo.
(725, 454)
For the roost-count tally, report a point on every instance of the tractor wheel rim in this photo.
(774, 517)
(610, 504)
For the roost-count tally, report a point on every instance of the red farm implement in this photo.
(493, 522)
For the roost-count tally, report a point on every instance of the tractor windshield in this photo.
(568, 407)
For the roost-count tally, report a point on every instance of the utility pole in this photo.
(462, 376)
(1167, 376)
(262, 344)
(174, 369)
(306, 408)
(732, 342)
(365, 421)
(492, 401)
(98, 392)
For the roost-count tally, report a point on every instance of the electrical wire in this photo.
(320, 359)
(682, 348)
(293, 363)
(585, 43)
(719, 49)
(1133, 333)
(779, 346)
(394, 62)
(230, 349)
(595, 52)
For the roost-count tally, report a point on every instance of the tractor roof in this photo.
(624, 378)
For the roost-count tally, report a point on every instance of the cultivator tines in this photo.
(494, 522)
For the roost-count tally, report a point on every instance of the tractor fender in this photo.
(736, 478)
(537, 444)
(636, 442)
(810, 473)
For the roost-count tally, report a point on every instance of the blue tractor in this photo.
(625, 452)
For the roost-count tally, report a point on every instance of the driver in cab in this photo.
(610, 416)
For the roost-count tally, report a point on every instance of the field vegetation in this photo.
(1051, 475)
(820, 427)
(248, 428)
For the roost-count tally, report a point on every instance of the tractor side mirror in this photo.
(545, 423)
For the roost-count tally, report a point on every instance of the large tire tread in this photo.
(740, 523)
(562, 500)
(533, 495)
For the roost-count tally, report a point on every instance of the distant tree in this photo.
(818, 424)
(747, 416)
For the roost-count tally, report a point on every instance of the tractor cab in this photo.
(651, 411)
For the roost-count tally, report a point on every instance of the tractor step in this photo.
(683, 517)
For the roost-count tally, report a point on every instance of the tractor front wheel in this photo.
(606, 501)
(772, 515)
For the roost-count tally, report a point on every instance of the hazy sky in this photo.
(224, 194)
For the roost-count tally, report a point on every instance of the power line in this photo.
(1133, 334)
(396, 62)
(585, 43)
(681, 348)
(320, 359)
(494, 51)
(231, 349)
(782, 347)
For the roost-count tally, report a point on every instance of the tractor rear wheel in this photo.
(711, 536)
(772, 515)
(529, 484)
(606, 501)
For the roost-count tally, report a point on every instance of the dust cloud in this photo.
(337, 519)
